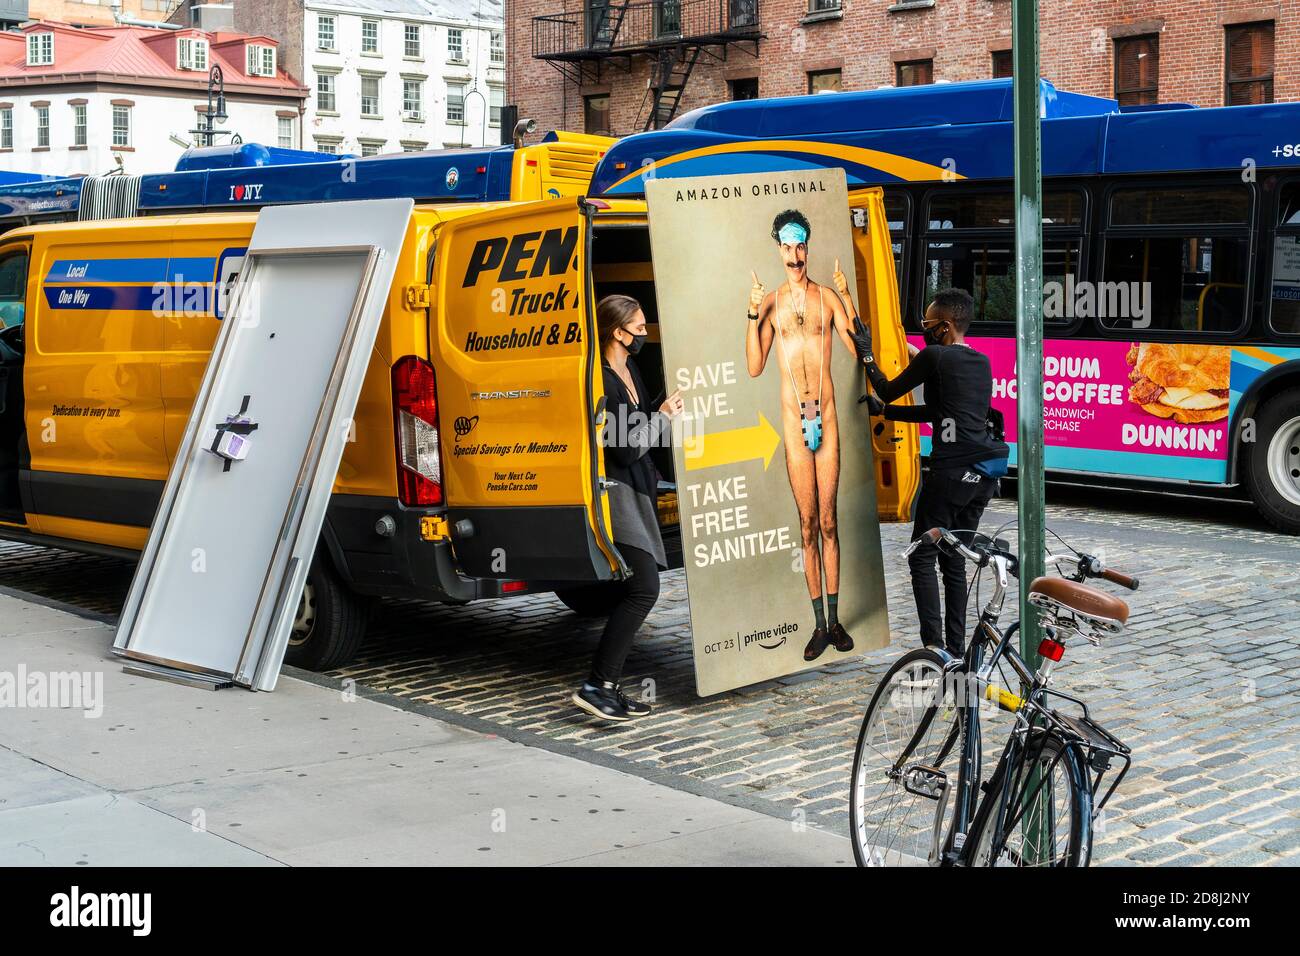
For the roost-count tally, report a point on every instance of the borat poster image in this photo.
(774, 470)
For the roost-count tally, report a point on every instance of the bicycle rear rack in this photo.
(1098, 746)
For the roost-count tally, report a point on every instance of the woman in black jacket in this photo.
(630, 432)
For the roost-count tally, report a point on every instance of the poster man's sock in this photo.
(818, 613)
(832, 614)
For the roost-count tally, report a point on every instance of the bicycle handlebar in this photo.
(1088, 565)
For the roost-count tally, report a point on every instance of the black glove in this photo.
(861, 337)
(875, 407)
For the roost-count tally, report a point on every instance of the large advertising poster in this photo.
(774, 471)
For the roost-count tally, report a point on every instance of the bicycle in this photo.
(1038, 806)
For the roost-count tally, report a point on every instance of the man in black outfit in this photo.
(966, 458)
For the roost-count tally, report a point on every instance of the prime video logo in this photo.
(64, 690)
(74, 909)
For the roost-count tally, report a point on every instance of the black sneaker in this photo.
(816, 645)
(635, 708)
(840, 638)
(602, 700)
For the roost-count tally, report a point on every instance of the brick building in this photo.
(616, 66)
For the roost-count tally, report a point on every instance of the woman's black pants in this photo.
(639, 594)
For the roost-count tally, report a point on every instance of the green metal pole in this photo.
(1029, 356)
(1029, 314)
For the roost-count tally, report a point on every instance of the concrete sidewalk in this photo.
(170, 775)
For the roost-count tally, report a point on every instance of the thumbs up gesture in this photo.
(756, 294)
(841, 282)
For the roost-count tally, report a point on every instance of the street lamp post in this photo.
(216, 111)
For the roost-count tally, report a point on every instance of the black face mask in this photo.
(635, 345)
(932, 335)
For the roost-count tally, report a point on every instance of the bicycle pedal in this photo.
(928, 782)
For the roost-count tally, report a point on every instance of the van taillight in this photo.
(415, 419)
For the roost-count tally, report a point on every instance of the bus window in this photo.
(896, 212)
(1286, 263)
(970, 243)
(13, 289)
(1184, 252)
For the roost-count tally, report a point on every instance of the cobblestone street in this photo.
(1202, 686)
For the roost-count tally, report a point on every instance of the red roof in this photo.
(135, 52)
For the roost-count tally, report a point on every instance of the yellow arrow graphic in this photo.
(757, 442)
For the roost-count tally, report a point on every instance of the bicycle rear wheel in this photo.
(1056, 829)
(891, 824)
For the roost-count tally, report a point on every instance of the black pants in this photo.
(952, 498)
(639, 595)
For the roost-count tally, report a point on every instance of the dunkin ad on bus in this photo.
(1143, 409)
(756, 292)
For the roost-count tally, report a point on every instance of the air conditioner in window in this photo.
(413, 116)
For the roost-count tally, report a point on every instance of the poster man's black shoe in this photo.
(816, 645)
(634, 707)
(602, 700)
(840, 639)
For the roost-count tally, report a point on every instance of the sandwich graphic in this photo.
(1188, 383)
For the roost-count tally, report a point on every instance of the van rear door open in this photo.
(896, 444)
(518, 388)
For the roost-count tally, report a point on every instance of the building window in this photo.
(823, 6)
(455, 102)
(284, 132)
(325, 101)
(369, 36)
(42, 127)
(324, 32)
(498, 48)
(412, 48)
(121, 126)
(370, 96)
(496, 100)
(40, 49)
(7, 128)
(746, 89)
(595, 114)
(371, 147)
(78, 124)
(259, 60)
(1137, 70)
(1250, 63)
(456, 45)
(191, 53)
(330, 146)
(413, 100)
(412, 146)
(914, 73)
(1002, 64)
(824, 81)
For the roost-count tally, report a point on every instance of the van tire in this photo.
(592, 600)
(1272, 474)
(330, 623)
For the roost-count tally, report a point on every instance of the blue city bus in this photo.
(251, 175)
(1171, 248)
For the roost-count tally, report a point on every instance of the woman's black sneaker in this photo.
(602, 700)
(635, 708)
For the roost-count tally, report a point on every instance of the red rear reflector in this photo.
(530, 162)
(1051, 649)
(886, 473)
(480, 169)
(510, 587)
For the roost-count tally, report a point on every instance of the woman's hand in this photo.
(861, 336)
(912, 351)
(673, 405)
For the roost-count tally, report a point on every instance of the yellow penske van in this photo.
(474, 471)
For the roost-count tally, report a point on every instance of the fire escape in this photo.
(674, 35)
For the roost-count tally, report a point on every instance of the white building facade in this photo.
(94, 100)
(402, 75)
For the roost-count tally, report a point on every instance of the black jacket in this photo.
(630, 431)
(958, 383)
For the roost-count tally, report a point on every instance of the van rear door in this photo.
(519, 386)
(896, 444)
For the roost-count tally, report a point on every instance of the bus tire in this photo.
(1273, 461)
(592, 600)
(330, 623)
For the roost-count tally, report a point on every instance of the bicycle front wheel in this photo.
(1051, 826)
(901, 791)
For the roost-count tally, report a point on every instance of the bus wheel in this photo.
(1273, 475)
(592, 600)
(330, 623)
